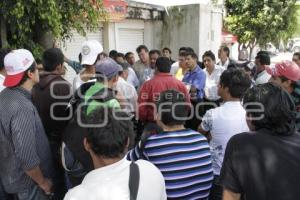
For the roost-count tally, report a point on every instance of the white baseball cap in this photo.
(16, 63)
(89, 52)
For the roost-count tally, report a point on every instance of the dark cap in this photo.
(108, 67)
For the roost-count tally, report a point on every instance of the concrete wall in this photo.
(181, 28)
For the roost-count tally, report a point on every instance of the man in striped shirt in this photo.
(182, 155)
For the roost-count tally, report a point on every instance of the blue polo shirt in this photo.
(197, 79)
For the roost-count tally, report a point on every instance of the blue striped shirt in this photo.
(184, 159)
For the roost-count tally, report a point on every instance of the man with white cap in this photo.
(26, 163)
(90, 51)
(287, 75)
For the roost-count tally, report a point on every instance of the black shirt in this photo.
(262, 166)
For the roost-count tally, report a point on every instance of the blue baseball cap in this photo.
(108, 67)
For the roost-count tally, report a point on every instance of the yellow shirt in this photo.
(179, 75)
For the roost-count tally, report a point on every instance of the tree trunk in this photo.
(3, 33)
(46, 40)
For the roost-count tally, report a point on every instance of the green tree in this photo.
(32, 23)
(261, 21)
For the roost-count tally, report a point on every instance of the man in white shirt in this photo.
(213, 73)
(220, 124)
(107, 143)
(3, 53)
(262, 60)
(225, 61)
(90, 51)
(128, 91)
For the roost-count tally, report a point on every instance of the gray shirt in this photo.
(23, 143)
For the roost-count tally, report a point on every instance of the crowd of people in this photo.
(110, 127)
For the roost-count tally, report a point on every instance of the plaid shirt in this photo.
(23, 143)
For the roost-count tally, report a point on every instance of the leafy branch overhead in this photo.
(261, 21)
(27, 20)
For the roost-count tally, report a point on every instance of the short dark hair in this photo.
(297, 54)
(111, 139)
(52, 58)
(182, 54)
(155, 51)
(182, 49)
(263, 57)
(113, 54)
(31, 69)
(226, 49)
(141, 47)
(279, 120)
(127, 54)
(171, 113)
(163, 65)
(3, 53)
(168, 49)
(236, 80)
(192, 54)
(190, 49)
(120, 55)
(209, 54)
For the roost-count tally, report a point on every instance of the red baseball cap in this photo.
(16, 63)
(286, 68)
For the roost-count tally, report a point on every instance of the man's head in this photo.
(120, 58)
(262, 59)
(90, 52)
(113, 54)
(163, 65)
(107, 71)
(21, 69)
(182, 49)
(130, 58)
(109, 136)
(233, 84)
(154, 55)
(270, 107)
(191, 60)
(296, 58)
(223, 53)
(166, 52)
(124, 72)
(3, 53)
(209, 59)
(142, 51)
(181, 60)
(285, 74)
(172, 109)
(53, 61)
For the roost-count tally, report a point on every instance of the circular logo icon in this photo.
(86, 50)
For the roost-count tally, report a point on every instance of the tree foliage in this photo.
(261, 21)
(27, 21)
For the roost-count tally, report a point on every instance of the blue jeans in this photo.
(34, 193)
(3, 194)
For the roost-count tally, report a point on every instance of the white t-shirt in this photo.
(211, 83)
(223, 122)
(132, 78)
(2, 87)
(262, 77)
(111, 183)
(129, 93)
(174, 68)
(225, 66)
(78, 81)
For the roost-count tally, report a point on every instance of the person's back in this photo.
(111, 182)
(52, 89)
(113, 176)
(182, 155)
(269, 165)
(263, 164)
(151, 89)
